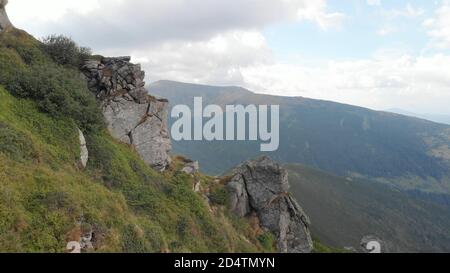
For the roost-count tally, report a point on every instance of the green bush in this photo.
(267, 241)
(65, 51)
(60, 92)
(26, 72)
(57, 91)
(11, 67)
(134, 240)
(219, 196)
(321, 248)
(183, 227)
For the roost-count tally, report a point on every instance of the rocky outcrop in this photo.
(84, 153)
(133, 116)
(261, 187)
(4, 20)
(191, 167)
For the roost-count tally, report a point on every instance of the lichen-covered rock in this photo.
(133, 116)
(261, 186)
(191, 167)
(84, 153)
(4, 20)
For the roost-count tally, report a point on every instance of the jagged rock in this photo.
(84, 153)
(81, 238)
(113, 77)
(86, 239)
(197, 187)
(4, 20)
(133, 116)
(191, 167)
(261, 186)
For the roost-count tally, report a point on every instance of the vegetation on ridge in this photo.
(46, 200)
(27, 72)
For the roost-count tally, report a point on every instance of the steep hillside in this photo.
(343, 211)
(117, 203)
(341, 139)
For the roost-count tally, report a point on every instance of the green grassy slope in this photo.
(46, 200)
(343, 211)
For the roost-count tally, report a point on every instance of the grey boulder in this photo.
(261, 186)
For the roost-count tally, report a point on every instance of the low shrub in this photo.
(219, 196)
(64, 51)
(26, 72)
(267, 241)
(59, 92)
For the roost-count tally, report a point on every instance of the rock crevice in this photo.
(261, 187)
(132, 115)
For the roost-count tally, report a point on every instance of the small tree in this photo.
(65, 51)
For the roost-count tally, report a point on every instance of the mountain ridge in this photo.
(438, 118)
(226, 88)
(338, 138)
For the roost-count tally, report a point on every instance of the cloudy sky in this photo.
(380, 54)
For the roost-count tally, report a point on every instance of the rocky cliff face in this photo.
(133, 116)
(4, 20)
(261, 186)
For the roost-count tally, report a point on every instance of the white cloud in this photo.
(420, 84)
(439, 27)
(409, 11)
(219, 60)
(220, 42)
(106, 24)
(393, 20)
(386, 30)
(316, 11)
(389, 79)
(38, 11)
(374, 2)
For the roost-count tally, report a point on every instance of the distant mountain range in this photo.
(409, 153)
(337, 155)
(445, 119)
